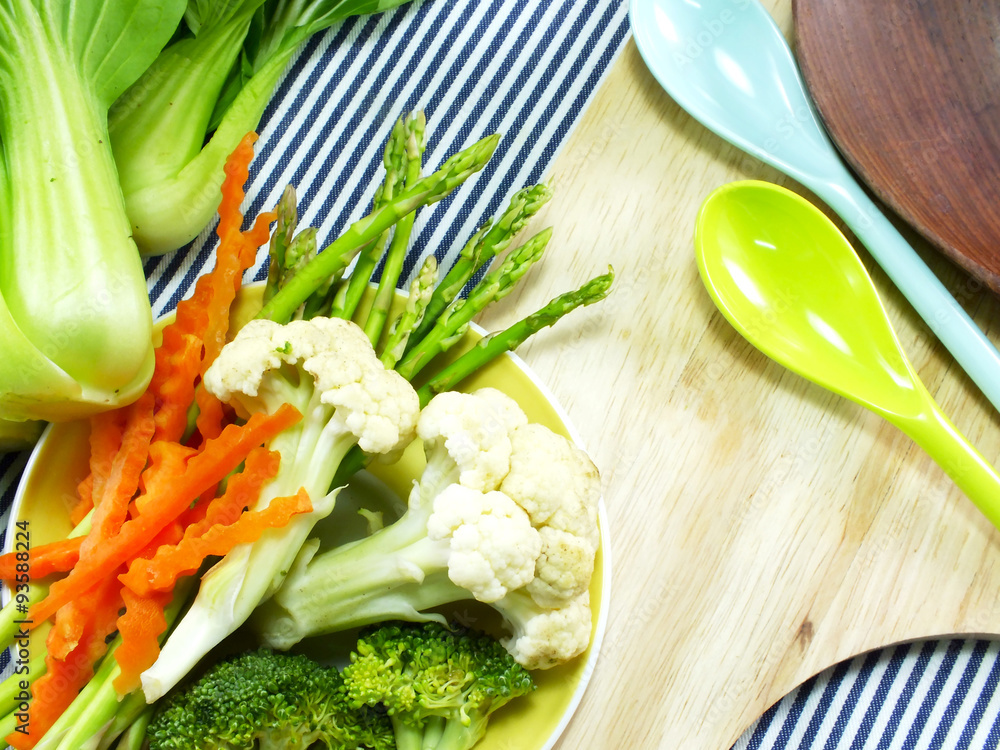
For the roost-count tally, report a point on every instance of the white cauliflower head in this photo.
(554, 481)
(563, 569)
(493, 546)
(473, 430)
(552, 637)
(264, 366)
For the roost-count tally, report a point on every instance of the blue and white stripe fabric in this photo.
(931, 695)
(523, 69)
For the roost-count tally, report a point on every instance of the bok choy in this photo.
(75, 319)
(173, 129)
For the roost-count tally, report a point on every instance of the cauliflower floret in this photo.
(549, 637)
(493, 544)
(563, 568)
(473, 429)
(260, 369)
(554, 481)
(504, 512)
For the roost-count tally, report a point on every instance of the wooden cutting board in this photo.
(910, 92)
(762, 529)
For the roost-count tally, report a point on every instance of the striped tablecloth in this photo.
(527, 70)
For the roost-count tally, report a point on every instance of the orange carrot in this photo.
(140, 629)
(237, 171)
(43, 559)
(211, 415)
(170, 563)
(85, 500)
(201, 323)
(52, 693)
(178, 360)
(214, 536)
(242, 492)
(206, 468)
(167, 460)
(105, 438)
(256, 236)
(122, 482)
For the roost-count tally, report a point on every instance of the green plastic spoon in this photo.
(789, 281)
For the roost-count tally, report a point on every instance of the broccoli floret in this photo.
(439, 686)
(266, 700)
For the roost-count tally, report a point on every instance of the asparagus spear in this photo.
(415, 143)
(279, 271)
(490, 347)
(420, 293)
(491, 240)
(452, 323)
(338, 255)
(394, 160)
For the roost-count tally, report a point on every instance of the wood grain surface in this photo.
(910, 92)
(762, 528)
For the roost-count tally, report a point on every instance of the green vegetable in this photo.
(327, 369)
(75, 321)
(266, 701)
(439, 686)
(287, 301)
(173, 129)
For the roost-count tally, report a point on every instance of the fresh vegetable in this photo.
(192, 452)
(438, 685)
(172, 130)
(156, 502)
(260, 699)
(75, 318)
(327, 369)
(505, 512)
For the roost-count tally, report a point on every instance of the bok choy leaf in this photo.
(173, 129)
(75, 321)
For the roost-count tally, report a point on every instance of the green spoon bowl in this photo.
(788, 280)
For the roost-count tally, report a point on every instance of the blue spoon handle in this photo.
(973, 351)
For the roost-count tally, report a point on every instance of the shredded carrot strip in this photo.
(43, 559)
(55, 690)
(85, 500)
(105, 438)
(140, 629)
(237, 171)
(170, 563)
(167, 461)
(211, 415)
(241, 492)
(111, 507)
(256, 236)
(178, 360)
(208, 467)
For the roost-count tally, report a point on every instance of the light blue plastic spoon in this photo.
(728, 65)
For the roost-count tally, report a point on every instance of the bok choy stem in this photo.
(75, 320)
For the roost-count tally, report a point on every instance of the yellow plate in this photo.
(59, 461)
